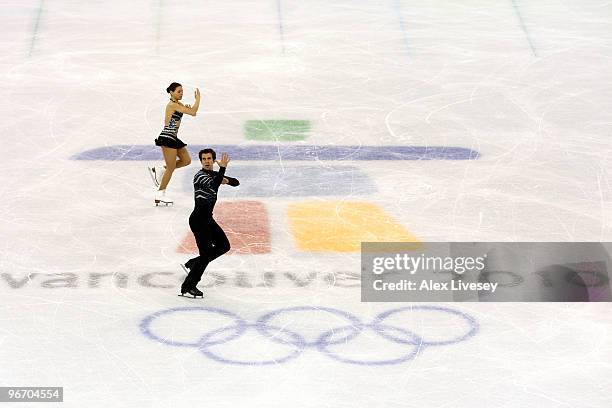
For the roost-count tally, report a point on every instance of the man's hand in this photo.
(225, 159)
(225, 181)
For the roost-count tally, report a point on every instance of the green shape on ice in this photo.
(277, 130)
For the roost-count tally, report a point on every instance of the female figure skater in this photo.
(173, 148)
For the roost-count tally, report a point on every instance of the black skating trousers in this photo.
(212, 243)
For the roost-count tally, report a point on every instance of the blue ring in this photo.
(469, 319)
(145, 325)
(356, 324)
(323, 348)
(204, 349)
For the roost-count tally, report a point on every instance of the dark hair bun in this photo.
(172, 87)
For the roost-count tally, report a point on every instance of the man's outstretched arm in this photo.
(231, 181)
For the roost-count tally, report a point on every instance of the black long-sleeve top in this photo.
(206, 184)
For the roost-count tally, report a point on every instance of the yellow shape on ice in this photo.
(342, 226)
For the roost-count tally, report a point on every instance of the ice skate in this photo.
(187, 266)
(194, 293)
(162, 199)
(156, 174)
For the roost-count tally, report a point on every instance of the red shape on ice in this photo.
(246, 225)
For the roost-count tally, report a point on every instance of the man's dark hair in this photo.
(211, 151)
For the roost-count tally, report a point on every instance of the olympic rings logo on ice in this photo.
(214, 342)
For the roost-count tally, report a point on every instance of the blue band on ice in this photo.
(289, 152)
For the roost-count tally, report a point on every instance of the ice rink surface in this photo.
(315, 100)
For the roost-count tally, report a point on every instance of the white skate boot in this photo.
(162, 199)
(156, 173)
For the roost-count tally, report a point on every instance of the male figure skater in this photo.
(210, 238)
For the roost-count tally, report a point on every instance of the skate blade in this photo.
(191, 296)
(163, 203)
(152, 174)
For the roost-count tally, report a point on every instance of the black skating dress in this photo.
(169, 135)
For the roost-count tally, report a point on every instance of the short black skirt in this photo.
(171, 142)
